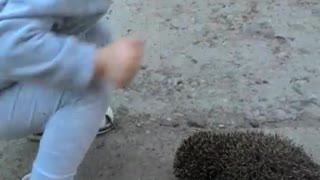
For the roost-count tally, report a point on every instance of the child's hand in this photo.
(120, 61)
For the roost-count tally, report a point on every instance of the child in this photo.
(55, 76)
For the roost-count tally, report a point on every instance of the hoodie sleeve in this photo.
(29, 51)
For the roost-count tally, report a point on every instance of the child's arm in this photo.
(29, 51)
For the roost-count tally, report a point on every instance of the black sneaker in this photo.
(106, 126)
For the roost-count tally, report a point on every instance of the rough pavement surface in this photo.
(209, 65)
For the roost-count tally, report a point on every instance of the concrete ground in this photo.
(209, 65)
(131, 152)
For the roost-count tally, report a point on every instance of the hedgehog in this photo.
(242, 156)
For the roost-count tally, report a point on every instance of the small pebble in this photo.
(202, 81)
(221, 126)
(254, 124)
(169, 124)
(196, 123)
(283, 54)
(179, 114)
(193, 20)
(143, 67)
(195, 84)
(196, 42)
(280, 115)
(261, 82)
(256, 113)
(179, 88)
(194, 61)
(281, 39)
(162, 57)
(178, 82)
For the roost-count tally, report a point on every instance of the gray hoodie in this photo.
(37, 41)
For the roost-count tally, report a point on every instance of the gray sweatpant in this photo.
(70, 119)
